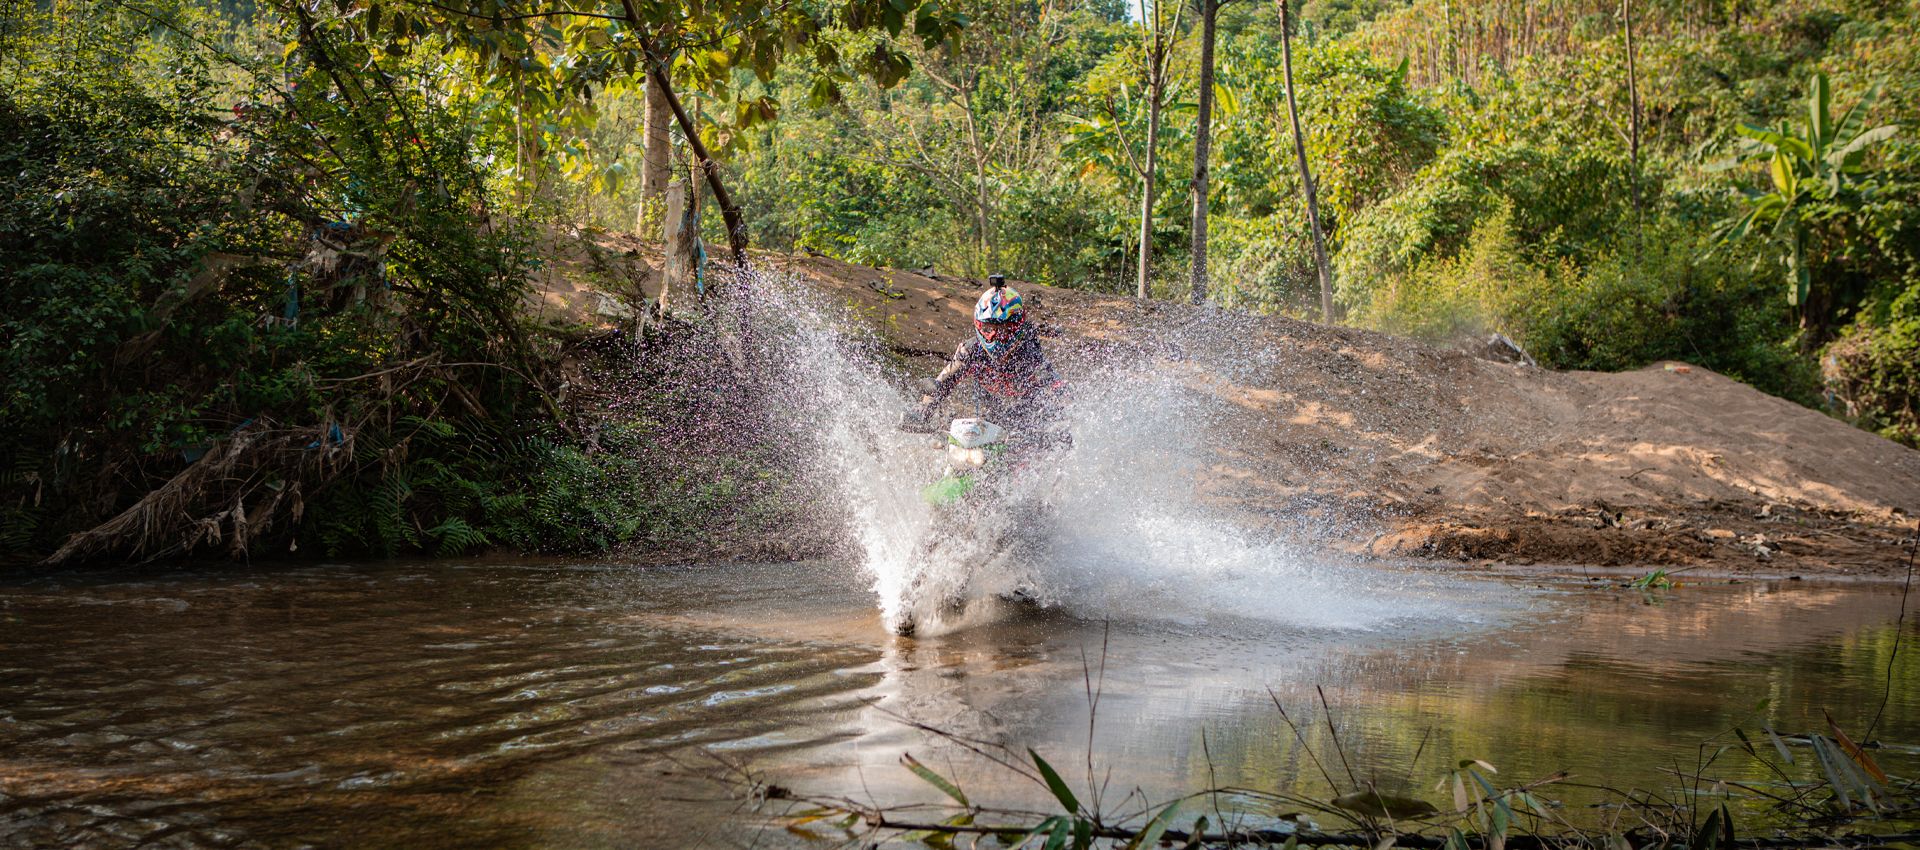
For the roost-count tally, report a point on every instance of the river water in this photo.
(589, 705)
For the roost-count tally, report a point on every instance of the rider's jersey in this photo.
(1021, 383)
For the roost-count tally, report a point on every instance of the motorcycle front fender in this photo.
(948, 490)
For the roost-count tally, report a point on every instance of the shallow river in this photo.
(557, 705)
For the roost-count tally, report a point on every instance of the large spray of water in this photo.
(1126, 537)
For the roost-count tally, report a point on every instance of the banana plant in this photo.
(1813, 171)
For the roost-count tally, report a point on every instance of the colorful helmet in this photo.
(999, 305)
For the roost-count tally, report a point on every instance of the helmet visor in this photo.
(998, 332)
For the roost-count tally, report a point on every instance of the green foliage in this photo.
(1563, 204)
(1657, 580)
(459, 486)
(1874, 368)
(194, 255)
(1627, 310)
(1620, 311)
(1477, 290)
(1813, 173)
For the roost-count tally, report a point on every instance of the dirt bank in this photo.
(1386, 446)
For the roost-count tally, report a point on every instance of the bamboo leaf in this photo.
(1062, 828)
(1854, 750)
(1150, 835)
(1779, 745)
(1044, 827)
(1055, 784)
(1832, 768)
(934, 779)
(1708, 838)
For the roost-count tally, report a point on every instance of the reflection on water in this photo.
(551, 705)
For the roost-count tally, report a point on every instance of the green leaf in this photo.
(1782, 171)
(1858, 144)
(1155, 828)
(1779, 745)
(1819, 114)
(1835, 769)
(1763, 135)
(1055, 784)
(1708, 838)
(1062, 828)
(1850, 123)
(1044, 827)
(934, 779)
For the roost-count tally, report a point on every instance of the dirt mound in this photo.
(1391, 447)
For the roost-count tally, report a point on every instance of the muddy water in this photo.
(552, 705)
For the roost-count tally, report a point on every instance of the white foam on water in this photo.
(1127, 539)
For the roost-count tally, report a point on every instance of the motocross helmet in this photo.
(997, 316)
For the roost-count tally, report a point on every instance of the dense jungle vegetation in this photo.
(264, 265)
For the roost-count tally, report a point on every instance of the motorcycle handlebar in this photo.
(917, 422)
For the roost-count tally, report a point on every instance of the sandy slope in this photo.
(1388, 446)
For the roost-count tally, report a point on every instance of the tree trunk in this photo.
(1306, 175)
(1202, 141)
(655, 156)
(1633, 107)
(1156, 86)
(657, 79)
(677, 273)
(730, 214)
(983, 216)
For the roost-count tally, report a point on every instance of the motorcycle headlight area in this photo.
(957, 456)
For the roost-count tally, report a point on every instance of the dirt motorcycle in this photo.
(991, 518)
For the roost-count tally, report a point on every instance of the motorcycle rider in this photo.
(1019, 387)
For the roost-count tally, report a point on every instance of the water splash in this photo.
(1125, 536)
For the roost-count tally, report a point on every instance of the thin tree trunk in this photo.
(1306, 175)
(730, 214)
(1202, 142)
(1146, 189)
(655, 155)
(657, 78)
(1633, 107)
(982, 216)
(1633, 87)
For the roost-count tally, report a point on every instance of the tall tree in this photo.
(1202, 141)
(1158, 41)
(1306, 174)
(656, 155)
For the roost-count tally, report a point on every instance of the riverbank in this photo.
(1382, 446)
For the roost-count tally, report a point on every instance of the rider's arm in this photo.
(949, 377)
